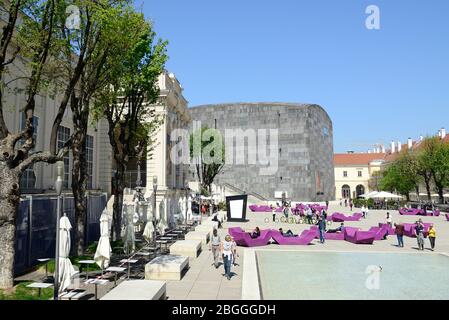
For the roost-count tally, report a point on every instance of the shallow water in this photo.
(290, 275)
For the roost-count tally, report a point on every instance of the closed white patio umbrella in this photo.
(66, 270)
(103, 254)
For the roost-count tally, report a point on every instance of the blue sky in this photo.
(376, 85)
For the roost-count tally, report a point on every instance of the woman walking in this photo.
(227, 250)
(432, 236)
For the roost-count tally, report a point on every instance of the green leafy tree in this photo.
(207, 151)
(126, 99)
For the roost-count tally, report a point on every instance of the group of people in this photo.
(347, 203)
(420, 234)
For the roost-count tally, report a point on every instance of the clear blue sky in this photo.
(376, 85)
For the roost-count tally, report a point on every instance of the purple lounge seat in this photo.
(328, 236)
(354, 235)
(303, 240)
(339, 217)
(409, 229)
(447, 216)
(233, 232)
(243, 239)
(410, 212)
(391, 231)
(379, 232)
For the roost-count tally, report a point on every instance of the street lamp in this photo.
(154, 207)
(58, 188)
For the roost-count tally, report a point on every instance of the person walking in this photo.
(389, 220)
(419, 229)
(309, 215)
(399, 231)
(322, 229)
(432, 236)
(215, 247)
(364, 212)
(227, 250)
(351, 204)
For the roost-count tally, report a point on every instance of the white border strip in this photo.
(250, 281)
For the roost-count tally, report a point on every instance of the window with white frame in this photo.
(345, 174)
(28, 180)
(63, 137)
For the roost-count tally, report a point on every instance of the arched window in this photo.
(346, 192)
(360, 190)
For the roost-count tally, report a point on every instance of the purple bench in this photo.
(409, 229)
(447, 216)
(380, 233)
(354, 235)
(303, 240)
(244, 239)
(391, 231)
(328, 236)
(410, 212)
(339, 217)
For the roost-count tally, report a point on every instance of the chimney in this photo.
(439, 133)
(393, 147)
(421, 138)
(383, 149)
(443, 133)
(410, 143)
(399, 146)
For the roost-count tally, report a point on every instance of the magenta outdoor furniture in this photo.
(233, 232)
(303, 240)
(447, 216)
(379, 232)
(391, 230)
(354, 235)
(410, 212)
(409, 229)
(244, 239)
(262, 208)
(339, 217)
(328, 236)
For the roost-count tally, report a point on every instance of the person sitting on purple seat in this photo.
(287, 234)
(255, 234)
(340, 229)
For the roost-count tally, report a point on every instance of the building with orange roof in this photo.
(353, 171)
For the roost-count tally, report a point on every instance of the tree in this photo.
(98, 33)
(396, 177)
(35, 41)
(374, 181)
(208, 153)
(435, 158)
(126, 98)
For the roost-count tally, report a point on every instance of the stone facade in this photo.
(305, 148)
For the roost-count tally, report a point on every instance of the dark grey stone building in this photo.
(304, 153)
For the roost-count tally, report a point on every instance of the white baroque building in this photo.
(171, 177)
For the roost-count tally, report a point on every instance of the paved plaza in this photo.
(203, 281)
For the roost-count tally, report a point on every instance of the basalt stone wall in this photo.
(305, 148)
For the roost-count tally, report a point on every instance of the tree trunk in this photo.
(427, 182)
(79, 189)
(9, 204)
(119, 181)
